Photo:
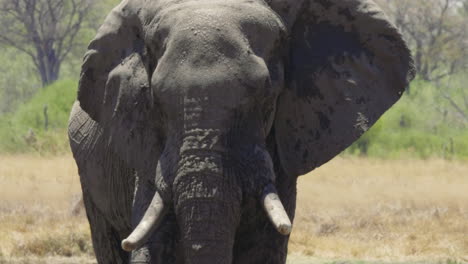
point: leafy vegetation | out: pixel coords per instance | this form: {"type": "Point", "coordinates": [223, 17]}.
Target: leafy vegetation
{"type": "Point", "coordinates": [20, 74]}
{"type": "Point", "coordinates": [419, 125]}
{"type": "Point", "coordinates": [436, 33]}
{"type": "Point", "coordinates": [30, 129]}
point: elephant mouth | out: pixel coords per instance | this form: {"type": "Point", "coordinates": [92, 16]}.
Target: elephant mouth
{"type": "Point", "coordinates": [157, 209]}
{"type": "Point", "coordinates": [205, 173]}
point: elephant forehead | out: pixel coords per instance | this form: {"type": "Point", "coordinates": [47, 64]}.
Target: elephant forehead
{"type": "Point", "coordinates": [227, 27]}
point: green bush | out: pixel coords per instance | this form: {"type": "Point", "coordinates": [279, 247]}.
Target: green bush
{"type": "Point", "coordinates": [25, 130]}
{"type": "Point", "coordinates": [415, 127]}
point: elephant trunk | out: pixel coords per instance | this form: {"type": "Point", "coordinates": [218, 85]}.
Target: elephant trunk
{"type": "Point", "coordinates": [207, 206]}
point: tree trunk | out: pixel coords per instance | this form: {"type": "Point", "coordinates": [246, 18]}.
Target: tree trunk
{"type": "Point", "coordinates": [47, 64]}
{"type": "Point", "coordinates": [49, 70]}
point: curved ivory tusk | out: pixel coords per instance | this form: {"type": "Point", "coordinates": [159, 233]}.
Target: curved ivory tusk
{"type": "Point", "coordinates": [275, 211]}
{"type": "Point", "coordinates": [145, 228]}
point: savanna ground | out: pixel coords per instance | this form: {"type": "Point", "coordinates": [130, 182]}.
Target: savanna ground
{"type": "Point", "coordinates": [351, 210]}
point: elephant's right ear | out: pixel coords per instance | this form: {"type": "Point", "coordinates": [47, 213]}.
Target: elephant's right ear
{"type": "Point", "coordinates": [114, 88]}
{"type": "Point", "coordinates": [347, 66]}
{"type": "Point", "coordinates": [117, 39]}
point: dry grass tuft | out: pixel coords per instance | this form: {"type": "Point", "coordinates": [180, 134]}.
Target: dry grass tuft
{"type": "Point", "coordinates": [70, 237]}
{"type": "Point", "coordinates": [351, 208]}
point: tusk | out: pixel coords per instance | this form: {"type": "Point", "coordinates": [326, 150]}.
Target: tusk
{"type": "Point", "coordinates": [145, 228]}
{"type": "Point", "coordinates": [275, 211]}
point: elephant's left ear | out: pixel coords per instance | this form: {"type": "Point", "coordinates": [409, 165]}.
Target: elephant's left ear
{"type": "Point", "coordinates": [347, 66]}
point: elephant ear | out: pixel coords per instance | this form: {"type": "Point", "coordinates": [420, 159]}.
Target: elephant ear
{"type": "Point", "coordinates": [114, 87]}
{"type": "Point", "coordinates": [347, 66]}
{"type": "Point", "coordinates": [116, 40]}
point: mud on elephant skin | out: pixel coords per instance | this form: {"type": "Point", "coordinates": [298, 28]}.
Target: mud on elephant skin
{"type": "Point", "coordinates": [195, 118]}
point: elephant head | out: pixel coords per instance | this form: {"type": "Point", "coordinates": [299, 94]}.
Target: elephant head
{"type": "Point", "coordinates": [204, 95]}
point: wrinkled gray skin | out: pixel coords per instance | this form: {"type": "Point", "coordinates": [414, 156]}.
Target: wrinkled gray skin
{"type": "Point", "coordinates": [208, 102]}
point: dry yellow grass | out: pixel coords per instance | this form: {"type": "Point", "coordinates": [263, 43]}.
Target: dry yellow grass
{"type": "Point", "coordinates": [36, 195]}
{"type": "Point", "coordinates": [351, 208]}
{"type": "Point", "coordinates": [406, 210]}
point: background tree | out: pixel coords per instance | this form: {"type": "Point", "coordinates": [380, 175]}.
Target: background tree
{"type": "Point", "coordinates": [46, 30]}
{"type": "Point", "coordinates": [436, 31]}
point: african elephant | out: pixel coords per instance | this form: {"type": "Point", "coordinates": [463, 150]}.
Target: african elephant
{"type": "Point", "coordinates": [195, 118]}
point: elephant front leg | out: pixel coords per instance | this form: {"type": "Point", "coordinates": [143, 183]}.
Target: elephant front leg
{"type": "Point", "coordinates": [104, 236]}
{"type": "Point", "coordinates": [160, 247]}
{"type": "Point", "coordinates": [258, 241]}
